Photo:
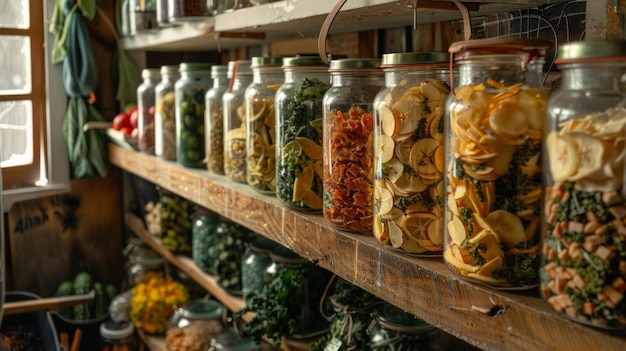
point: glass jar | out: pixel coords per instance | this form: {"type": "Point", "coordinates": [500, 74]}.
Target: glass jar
{"type": "Point", "coordinates": [187, 10]}
{"type": "Point", "coordinates": [254, 262]}
{"type": "Point", "coordinates": [190, 89]}
{"type": "Point", "coordinates": [192, 326]}
{"type": "Point", "coordinates": [214, 118]}
{"type": "Point", "coordinates": [228, 253]}
{"type": "Point", "coordinates": [348, 143]}
{"type": "Point", "coordinates": [261, 123]}
{"type": "Point", "coordinates": [142, 16]}
{"type": "Point", "coordinates": [235, 121]}
{"type": "Point", "coordinates": [125, 14]}
{"type": "Point", "coordinates": [304, 297]}
{"type": "Point", "coordinates": [583, 269]}
{"type": "Point", "coordinates": [204, 226]}
{"type": "Point", "coordinates": [299, 115]}
{"type": "Point", "coordinates": [495, 120]}
{"type": "Point", "coordinates": [231, 340]}
{"type": "Point", "coordinates": [138, 266]}
{"type": "Point", "coordinates": [162, 13]}
{"type": "Point", "coordinates": [117, 336]}
{"type": "Point", "coordinates": [393, 329]}
{"type": "Point", "coordinates": [165, 114]}
{"type": "Point", "coordinates": [176, 223]}
{"type": "Point", "coordinates": [145, 109]}
{"type": "Point", "coordinates": [408, 156]}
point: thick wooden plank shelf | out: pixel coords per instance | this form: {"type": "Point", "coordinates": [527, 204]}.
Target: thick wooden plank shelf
{"type": "Point", "coordinates": [424, 287]}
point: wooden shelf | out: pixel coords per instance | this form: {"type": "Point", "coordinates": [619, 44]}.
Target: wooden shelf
{"type": "Point", "coordinates": [424, 287]}
{"type": "Point", "coordinates": [293, 19]}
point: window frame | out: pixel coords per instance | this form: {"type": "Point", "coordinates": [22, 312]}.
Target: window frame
{"type": "Point", "coordinates": [49, 118]}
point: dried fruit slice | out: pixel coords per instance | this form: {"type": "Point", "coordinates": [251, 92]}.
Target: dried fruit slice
{"type": "Point", "coordinates": [385, 146]}
{"type": "Point", "coordinates": [311, 149]}
{"type": "Point", "coordinates": [380, 230]}
{"type": "Point", "coordinates": [457, 262]}
{"type": "Point", "coordinates": [303, 183]}
{"type": "Point", "coordinates": [416, 224]}
{"type": "Point", "coordinates": [407, 114]}
{"type": "Point", "coordinates": [422, 154]}
{"type": "Point", "coordinates": [457, 231]}
{"type": "Point", "coordinates": [508, 227]}
{"type": "Point", "coordinates": [312, 200]}
{"type": "Point", "coordinates": [508, 120]}
{"type": "Point", "coordinates": [488, 268]}
{"type": "Point", "coordinates": [395, 234]}
{"type": "Point", "coordinates": [383, 200]}
{"type": "Point", "coordinates": [532, 102]}
{"type": "Point", "coordinates": [411, 246]}
{"type": "Point", "coordinates": [408, 184]}
{"type": "Point", "coordinates": [590, 153]}
{"type": "Point", "coordinates": [387, 120]}
{"type": "Point", "coordinates": [393, 169]}
{"type": "Point", "coordinates": [435, 231]}
{"type": "Point", "coordinates": [563, 156]}
{"type": "Point", "coordinates": [403, 150]}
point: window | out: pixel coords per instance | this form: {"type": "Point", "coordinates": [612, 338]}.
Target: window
{"type": "Point", "coordinates": [30, 120]}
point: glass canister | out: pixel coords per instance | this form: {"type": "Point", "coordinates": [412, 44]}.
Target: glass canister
{"type": "Point", "coordinates": [117, 336]}
{"type": "Point", "coordinates": [409, 150]}
{"type": "Point", "coordinates": [142, 16]}
{"type": "Point", "coordinates": [299, 115]}
{"type": "Point", "coordinates": [145, 109]}
{"type": "Point", "coordinates": [348, 143]}
{"type": "Point", "coordinates": [229, 250]}
{"type": "Point", "coordinates": [214, 119]}
{"type": "Point", "coordinates": [394, 329]}
{"type": "Point", "coordinates": [254, 262]}
{"type": "Point", "coordinates": [187, 10]}
{"type": "Point", "coordinates": [235, 121]}
{"type": "Point", "coordinates": [267, 77]}
{"type": "Point", "coordinates": [165, 114]}
{"type": "Point", "coordinates": [190, 90]}
{"type": "Point", "coordinates": [139, 265]}
{"type": "Point", "coordinates": [231, 340]}
{"type": "Point", "coordinates": [176, 224]}
{"type": "Point", "coordinates": [192, 326]}
{"type": "Point", "coordinates": [583, 266]}
{"type": "Point", "coordinates": [495, 120]}
{"type": "Point", "coordinates": [204, 225]}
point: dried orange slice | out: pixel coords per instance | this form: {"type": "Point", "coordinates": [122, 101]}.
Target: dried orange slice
{"type": "Point", "coordinates": [416, 224]}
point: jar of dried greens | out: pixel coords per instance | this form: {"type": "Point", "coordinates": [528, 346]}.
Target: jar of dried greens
{"type": "Point", "coordinates": [145, 109]}
{"type": "Point", "coordinates": [227, 253]}
{"type": "Point", "coordinates": [235, 121]}
{"type": "Point", "coordinates": [348, 143]}
{"type": "Point", "coordinates": [193, 325]}
{"type": "Point", "coordinates": [393, 329]}
{"type": "Point", "coordinates": [493, 186]}
{"type": "Point", "coordinates": [255, 261]}
{"type": "Point", "coordinates": [261, 123]}
{"type": "Point", "coordinates": [190, 90]}
{"type": "Point", "coordinates": [299, 114]}
{"type": "Point", "coordinates": [408, 152]}
{"type": "Point", "coordinates": [583, 271]}
{"type": "Point", "coordinates": [204, 225]}
{"type": "Point", "coordinates": [214, 118]}
{"type": "Point", "coordinates": [165, 114]}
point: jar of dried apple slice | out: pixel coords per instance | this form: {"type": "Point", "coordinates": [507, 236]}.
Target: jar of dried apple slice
{"type": "Point", "coordinates": [583, 270]}
{"type": "Point", "coordinates": [409, 152]}
{"type": "Point", "coordinates": [495, 118]}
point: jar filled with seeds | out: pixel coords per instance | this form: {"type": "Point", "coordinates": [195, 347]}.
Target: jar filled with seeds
{"type": "Point", "coordinates": [261, 123]}
{"type": "Point", "coordinates": [409, 150]}
{"type": "Point", "coordinates": [204, 226]}
{"type": "Point", "coordinates": [348, 143]}
{"type": "Point", "coordinates": [493, 192]}
{"type": "Point", "coordinates": [393, 329]}
{"type": "Point", "coordinates": [583, 270]}
{"type": "Point", "coordinates": [214, 118]}
{"type": "Point", "coordinates": [235, 122]}
{"type": "Point", "coordinates": [255, 261]}
{"type": "Point", "coordinates": [165, 114]}
{"type": "Point", "coordinates": [299, 114]}
{"type": "Point", "coordinates": [145, 109]}
{"type": "Point", "coordinates": [192, 326]}
{"type": "Point", "coordinates": [190, 91]}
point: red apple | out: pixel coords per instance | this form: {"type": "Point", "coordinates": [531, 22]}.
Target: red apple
{"type": "Point", "coordinates": [134, 118]}
{"type": "Point", "coordinates": [126, 130]}
{"type": "Point", "coordinates": [121, 120]}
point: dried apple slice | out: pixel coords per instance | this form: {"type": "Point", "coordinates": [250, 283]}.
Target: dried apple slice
{"type": "Point", "coordinates": [508, 228]}
{"type": "Point", "coordinates": [492, 265]}
{"type": "Point", "coordinates": [385, 146]}
{"type": "Point", "coordinates": [383, 200]}
{"type": "Point", "coordinates": [395, 235]}
{"type": "Point", "coordinates": [387, 120]}
{"type": "Point", "coordinates": [407, 114]}
{"type": "Point", "coordinates": [435, 231]}
{"type": "Point", "coordinates": [532, 102]}
{"type": "Point", "coordinates": [403, 150]}
{"type": "Point", "coordinates": [457, 231]}
{"type": "Point", "coordinates": [508, 120]}
{"type": "Point", "coordinates": [563, 156]}
{"type": "Point", "coordinates": [409, 184]}
{"type": "Point", "coordinates": [394, 169]}
{"type": "Point", "coordinates": [435, 125]}
{"type": "Point", "coordinates": [422, 154]}
{"type": "Point", "coordinates": [590, 154]}
{"type": "Point", "coordinates": [411, 246]}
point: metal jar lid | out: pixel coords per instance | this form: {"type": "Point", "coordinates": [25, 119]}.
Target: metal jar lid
{"type": "Point", "coordinates": [239, 68]}
{"type": "Point", "coordinates": [499, 46]}
{"type": "Point", "coordinates": [303, 61]}
{"type": "Point", "coordinates": [202, 309]}
{"type": "Point", "coordinates": [591, 50]}
{"type": "Point", "coordinates": [354, 64]}
{"type": "Point", "coordinates": [195, 66]}
{"type": "Point", "coordinates": [115, 331]}
{"type": "Point", "coordinates": [258, 62]}
{"type": "Point", "coordinates": [415, 58]}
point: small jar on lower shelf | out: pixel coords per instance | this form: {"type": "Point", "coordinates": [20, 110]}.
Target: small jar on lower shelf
{"type": "Point", "coordinates": [117, 336]}
{"type": "Point", "coordinates": [230, 340]}
{"type": "Point", "coordinates": [192, 327]}
{"type": "Point", "coordinates": [394, 329]}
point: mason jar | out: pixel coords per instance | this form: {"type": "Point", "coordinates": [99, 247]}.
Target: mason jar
{"type": "Point", "coordinates": [267, 77]}
{"type": "Point", "coordinates": [204, 225]}
{"type": "Point", "coordinates": [254, 262]}
{"type": "Point", "coordinates": [348, 143]}
{"type": "Point", "coordinates": [583, 269]}
{"type": "Point", "coordinates": [299, 116]}
{"type": "Point", "coordinates": [235, 122]}
{"type": "Point", "coordinates": [138, 266]}
{"type": "Point", "coordinates": [393, 329]}
{"type": "Point", "coordinates": [165, 114]}
{"type": "Point", "coordinates": [145, 109]}
{"type": "Point", "coordinates": [495, 120]}
{"type": "Point", "coordinates": [142, 16]}
{"type": "Point", "coordinates": [304, 297]}
{"type": "Point", "coordinates": [408, 152]}
{"type": "Point", "coordinates": [190, 90]}
{"type": "Point", "coordinates": [214, 119]}
{"type": "Point", "coordinates": [227, 254]}
{"type": "Point", "coordinates": [231, 340]}
{"type": "Point", "coordinates": [117, 336]}
{"type": "Point", "coordinates": [193, 325]}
